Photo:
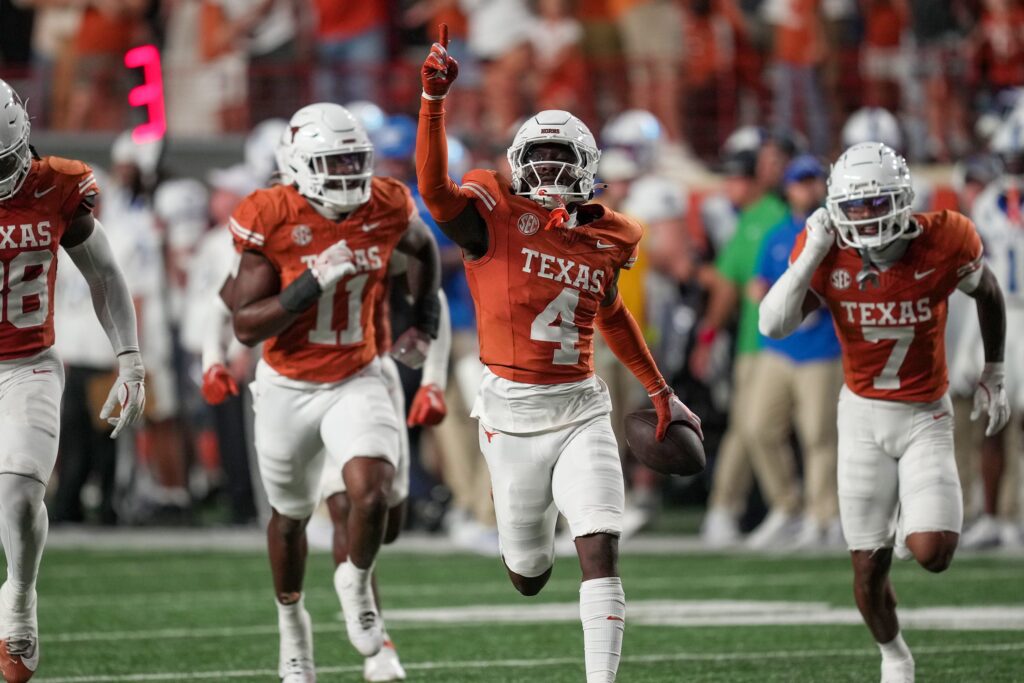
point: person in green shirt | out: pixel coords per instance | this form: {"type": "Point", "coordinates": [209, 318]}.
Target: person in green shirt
{"type": "Point", "coordinates": [735, 266]}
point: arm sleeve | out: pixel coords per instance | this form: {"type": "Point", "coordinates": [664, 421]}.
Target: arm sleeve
{"type": "Point", "coordinates": [624, 338]}
{"type": "Point", "coordinates": [782, 309]}
{"type": "Point", "coordinates": [435, 368]}
{"type": "Point", "coordinates": [439, 192]}
{"type": "Point", "coordinates": [110, 296]}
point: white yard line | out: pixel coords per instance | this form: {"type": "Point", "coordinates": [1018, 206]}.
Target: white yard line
{"type": "Point", "coordinates": [676, 613]}
{"type": "Point", "coordinates": [533, 663]}
{"type": "Point", "coordinates": [187, 599]}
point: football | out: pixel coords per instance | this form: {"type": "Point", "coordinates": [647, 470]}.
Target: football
{"type": "Point", "coordinates": [682, 451]}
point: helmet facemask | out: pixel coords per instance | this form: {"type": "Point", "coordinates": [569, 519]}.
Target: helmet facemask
{"type": "Point", "coordinates": [339, 179]}
{"type": "Point", "coordinates": [15, 154]}
{"type": "Point", "coordinates": [872, 221]}
{"type": "Point", "coordinates": [552, 173]}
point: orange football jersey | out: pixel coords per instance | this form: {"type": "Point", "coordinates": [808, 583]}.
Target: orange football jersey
{"type": "Point", "coordinates": [537, 291]}
{"type": "Point", "coordinates": [335, 338]}
{"type": "Point", "coordinates": [893, 335]}
{"type": "Point", "coordinates": [32, 224]}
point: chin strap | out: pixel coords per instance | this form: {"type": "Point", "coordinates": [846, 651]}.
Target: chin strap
{"type": "Point", "coordinates": [868, 274]}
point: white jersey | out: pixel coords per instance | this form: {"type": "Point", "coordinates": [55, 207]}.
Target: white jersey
{"type": "Point", "coordinates": [211, 263]}
{"type": "Point", "coordinates": [1002, 232]}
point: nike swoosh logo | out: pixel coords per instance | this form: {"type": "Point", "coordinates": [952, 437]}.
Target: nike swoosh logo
{"type": "Point", "coordinates": [604, 245]}
{"type": "Point", "coordinates": [939, 416]}
{"type": "Point", "coordinates": [919, 276]}
{"type": "Point", "coordinates": [367, 227]}
{"type": "Point", "coordinates": [39, 194]}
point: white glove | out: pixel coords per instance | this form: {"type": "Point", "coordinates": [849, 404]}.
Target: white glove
{"type": "Point", "coordinates": [129, 392]}
{"type": "Point", "coordinates": [990, 397]}
{"type": "Point", "coordinates": [820, 234]}
{"type": "Point", "coordinates": [411, 347]}
{"type": "Point", "coordinates": [332, 264]}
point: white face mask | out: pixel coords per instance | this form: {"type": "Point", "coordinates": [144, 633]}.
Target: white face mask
{"type": "Point", "coordinates": [14, 167]}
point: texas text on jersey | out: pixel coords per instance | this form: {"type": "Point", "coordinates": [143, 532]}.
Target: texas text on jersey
{"type": "Point", "coordinates": [335, 338]}
{"type": "Point", "coordinates": [32, 223]}
{"type": "Point", "coordinates": [892, 334]}
{"type": "Point", "coordinates": [537, 291]}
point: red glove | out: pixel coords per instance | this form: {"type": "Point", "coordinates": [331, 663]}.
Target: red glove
{"type": "Point", "coordinates": [428, 408]}
{"type": "Point", "coordinates": [218, 384]}
{"type": "Point", "coordinates": [439, 69]}
{"type": "Point", "coordinates": [670, 409]}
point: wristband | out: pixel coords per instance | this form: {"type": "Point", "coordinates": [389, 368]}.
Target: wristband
{"type": "Point", "coordinates": [426, 316]}
{"type": "Point", "coordinates": [433, 98]}
{"type": "Point", "coordinates": [301, 294]}
{"type": "Point", "coordinates": [706, 336]}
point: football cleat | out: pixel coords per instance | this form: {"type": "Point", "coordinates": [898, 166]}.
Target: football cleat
{"type": "Point", "coordinates": [384, 666]}
{"type": "Point", "coordinates": [719, 529]}
{"type": "Point", "coordinates": [778, 530]}
{"type": "Point", "coordinates": [987, 532]}
{"type": "Point", "coordinates": [362, 621]}
{"type": "Point", "coordinates": [19, 658]}
{"type": "Point", "coordinates": [298, 670]}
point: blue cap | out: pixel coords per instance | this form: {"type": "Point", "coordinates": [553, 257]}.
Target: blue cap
{"type": "Point", "coordinates": [396, 139]}
{"type": "Point", "coordinates": [803, 167]}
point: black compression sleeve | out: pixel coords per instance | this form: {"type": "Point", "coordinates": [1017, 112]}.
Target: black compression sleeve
{"type": "Point", "coordinates": [301, 294]}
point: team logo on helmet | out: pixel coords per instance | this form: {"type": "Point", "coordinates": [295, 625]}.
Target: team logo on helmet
{"type": "Point", "coordinates": [841, 279]}
{"type": "Point", "coordinates": [302, 235]}
{"type": "Point", "coordinates": [529, 223]}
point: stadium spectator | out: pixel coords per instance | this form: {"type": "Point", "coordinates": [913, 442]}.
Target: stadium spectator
{"type": "Point", "coordinates": [351, 48]}
{"type": "Point", "coordinates": [796, 383]}
{"type": "Point", "coordinates": [997, 48]}
{"type": "Point", "coordinates": [761, 210]}
{"type": "Point", "coordinates": [277, 36]}
{"type": "Point", "coordinates": [558, 56]}
{"type": "Point", "coordinates": [799, 52]}
{"type": "Point", "coordinates": [883, 63]}
{"type": "Point", "coordinates": [652, 41]}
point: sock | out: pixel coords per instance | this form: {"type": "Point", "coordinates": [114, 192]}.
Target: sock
{"type": "Point", "coordinates": [23, 528]}
{"type": "Point", "coordinates": [296, 630]}
{"type": "Point", "coordinates": [349, 573]}
{"type": "Point", "coordinates": [603, 613]}
{"type": "Point", "coordinates": [895, 649]}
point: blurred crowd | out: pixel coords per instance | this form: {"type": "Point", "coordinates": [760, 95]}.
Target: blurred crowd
{"type": "Point", "coordinates": [703, 67]}
{"type": "Point", "coordinates": [717, 120]}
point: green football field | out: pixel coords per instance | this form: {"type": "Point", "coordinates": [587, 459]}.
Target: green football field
{"type": "Point", "coordinates": [203, 615]}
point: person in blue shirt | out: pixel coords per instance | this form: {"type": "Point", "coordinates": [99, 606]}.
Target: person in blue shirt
{"type": "Point", "coordinates": [796, 385]}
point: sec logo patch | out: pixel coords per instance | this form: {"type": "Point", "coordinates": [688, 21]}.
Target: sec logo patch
{"type": "Point", "coordinates": [302, 235]}
{"type": "Point", "coordinates": [840, 279]}
{"type": "Point", "coordinates": [529, 223]}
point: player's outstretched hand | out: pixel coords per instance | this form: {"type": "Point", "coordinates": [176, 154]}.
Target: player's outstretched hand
{"type": "Point", "coordinates": [129, 392]}
{"type": "Point", "coordinates": [439, 69]}
{"type": "Point", "coordinates": [821, 235]}
{"type": "Point", "coordinates": [410, 349]}
{"type": "Point", "coordinates": [218, 384]}
{"type": "Point", "coordinates": [332, 264]}
{"type": "Point", "coordinates": [670, 409]}
{"type": "Point", "coordinates": [990, 398]}
{"type": "Point", "coordinates": [428, 407]}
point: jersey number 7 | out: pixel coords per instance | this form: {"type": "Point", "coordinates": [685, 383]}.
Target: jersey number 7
{"type": "Point", "coordinates": [889, 378]}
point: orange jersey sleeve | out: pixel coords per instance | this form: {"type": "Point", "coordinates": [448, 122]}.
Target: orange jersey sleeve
{"type": "Point", "coordinates": [439, 192]}
{"type": "Point", "coordinates": [253, 220]}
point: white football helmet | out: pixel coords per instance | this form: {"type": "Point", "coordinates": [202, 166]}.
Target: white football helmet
{"type": "Point", "coordinates": [652, 199]}
{"type": "Point", "coordinates": [1008, 142]}
{"type": "Point", "coordinates": [326, 153]}
{"type": "Point", "coordinates": [872, 124]}
{"type": "Point", "coordinates": [15, 155]}
{"type": "Point", "coordinates": [636, 130]}
{"type": "Point", "coordinates": [369, 114]}
{"type": "Point", "coordinates": [551, 183]}
{"type": "Point", "coordinates": [261, 147]}
{"type": "Point", "coordinates": [869, 197]}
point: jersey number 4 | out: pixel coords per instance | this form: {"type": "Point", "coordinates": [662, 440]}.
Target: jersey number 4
{"type": "Point", "coordinates": [889, 378]}
{"type": "Point", "coordinates": [557, 324]}
{"type": "Point", "coordinates": [323, 333]}
{"type": "Point", "coordinates": [26, 276]}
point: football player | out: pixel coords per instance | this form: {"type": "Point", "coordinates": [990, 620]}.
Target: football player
{"type": "Point", "coordinates": [45, 202]}
{"type": "Point", "coordinates": [314, 254]}
{"type": "Point", "coordinates": [885, 274]}
{"type": "Point", "coordinates": [542, 265]}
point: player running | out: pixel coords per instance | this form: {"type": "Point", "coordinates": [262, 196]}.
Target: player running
{"type": "Point", "coordinates": [314, 253]}
{"type": "Point", "coordinates": [45, 203]}
{"type": "Point", "coordinates": [542, 266]}
{"type": "Point", "coordinates": [886, 274]}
